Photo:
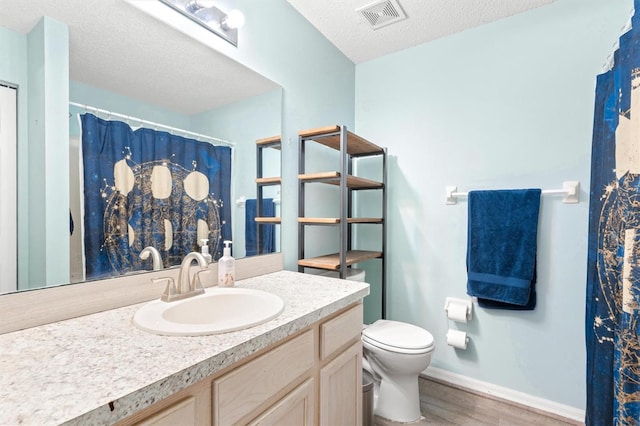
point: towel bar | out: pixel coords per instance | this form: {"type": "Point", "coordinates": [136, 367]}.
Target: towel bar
{"type": "Point", "coordinates": [240, 202]}
{"type": "Point", "coordinates": [570, 189]}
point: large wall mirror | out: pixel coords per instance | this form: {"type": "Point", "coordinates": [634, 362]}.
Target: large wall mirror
{"type": "Point", "coordinates": [64, 58]}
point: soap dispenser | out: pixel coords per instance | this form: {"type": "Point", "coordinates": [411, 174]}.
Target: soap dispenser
{"type": "Point", "coordinates": [205, 250]}
{"type": "Point", "coordinates": [226, 267]}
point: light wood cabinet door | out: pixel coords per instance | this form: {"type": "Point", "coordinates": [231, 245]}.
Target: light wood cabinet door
{"type": "Point", "coordinates": [248, 388]}
{"type": "Point", "coordinates": [296, 408]}
{"type": "Point", "coordinates": [341, 389]}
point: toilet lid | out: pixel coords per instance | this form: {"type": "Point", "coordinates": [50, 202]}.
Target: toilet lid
{"type": "Point", "coordinates": [399, 335]}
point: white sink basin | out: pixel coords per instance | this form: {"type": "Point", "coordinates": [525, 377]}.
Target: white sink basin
{"type": "Point", "coordinates": [218, 310]}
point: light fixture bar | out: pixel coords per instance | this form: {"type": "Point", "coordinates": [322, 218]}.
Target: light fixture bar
{"type": "Point", "coordinates": [207, 16]}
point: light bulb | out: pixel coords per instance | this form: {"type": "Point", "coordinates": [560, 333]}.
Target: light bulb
{"type": "Point", "coordinates": [233, 20]}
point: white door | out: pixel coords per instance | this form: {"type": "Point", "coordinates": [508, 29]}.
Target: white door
{"type": "Point", "coordinates": [8, 183]}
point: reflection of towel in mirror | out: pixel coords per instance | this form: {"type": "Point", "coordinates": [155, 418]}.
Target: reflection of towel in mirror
{"type": "Point", "coordinates": [251, 227]}
{"type": "Point", "coordinates": [501, 248]}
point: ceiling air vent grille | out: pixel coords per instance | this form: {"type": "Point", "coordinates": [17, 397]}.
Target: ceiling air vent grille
{"type": "Point", "coordinates": [382, 13]}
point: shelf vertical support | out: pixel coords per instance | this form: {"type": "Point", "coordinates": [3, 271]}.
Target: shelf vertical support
{"type": "Point", "coordinates": [301, 195]}
{"type": "Point", "coordinates": [383, 280]}
{"type": "Point", "coordinates": [344, 201]}
{"type": "Point", "coordinates": [259, 195]}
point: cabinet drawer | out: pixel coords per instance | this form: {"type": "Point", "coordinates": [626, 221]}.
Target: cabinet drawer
{"type": "Point", "coordinates": [340, 330]}
{"type": "Point", "coordinates": [243, 390]}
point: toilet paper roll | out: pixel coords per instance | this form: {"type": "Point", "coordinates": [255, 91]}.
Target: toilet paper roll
{"type": "Point", "coordinates": [457, 339]}
{"type": "Point", "coordinates": [457, 312]}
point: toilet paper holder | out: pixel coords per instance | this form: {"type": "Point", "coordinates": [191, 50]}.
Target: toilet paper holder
{"type": "Point", "coordinates": [455, 304]}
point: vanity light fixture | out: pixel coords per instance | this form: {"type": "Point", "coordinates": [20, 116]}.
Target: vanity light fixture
{"type": "Point", "coordinates": [206, 14]}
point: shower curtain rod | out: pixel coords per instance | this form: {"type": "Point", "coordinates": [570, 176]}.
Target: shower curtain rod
{"type": "Point", "coordinates": [154, 125]}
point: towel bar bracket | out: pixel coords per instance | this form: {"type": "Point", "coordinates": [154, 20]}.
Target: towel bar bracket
{"type": "Point", "coordinates": [570, 189]}
{"type": "Point", "coordinates": [451, 198]}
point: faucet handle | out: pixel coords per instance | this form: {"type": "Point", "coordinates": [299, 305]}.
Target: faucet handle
{"type": "Point", "coordinates": [170, 291]}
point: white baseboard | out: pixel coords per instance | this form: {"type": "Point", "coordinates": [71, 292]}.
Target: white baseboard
{"type": "Point", "coordinates": [499, 392]}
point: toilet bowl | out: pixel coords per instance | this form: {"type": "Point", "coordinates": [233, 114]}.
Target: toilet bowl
{"type": "Point", "coordinates": [395, 353]}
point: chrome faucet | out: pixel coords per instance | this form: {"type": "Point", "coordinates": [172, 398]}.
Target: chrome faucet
{"type": "Point", "coordinates": [187, 287]}
{"type": "Point", "coordinates": [155, 255]}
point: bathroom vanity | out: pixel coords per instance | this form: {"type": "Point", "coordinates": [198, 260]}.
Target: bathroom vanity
{"type": "Point", "coordinates": [303, 367]}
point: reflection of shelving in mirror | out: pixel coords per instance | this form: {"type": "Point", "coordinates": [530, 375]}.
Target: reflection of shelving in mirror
{"type": "Point", "coordinates": [351, 148]}
{"type": "Point", "coordinates": [264, 189]}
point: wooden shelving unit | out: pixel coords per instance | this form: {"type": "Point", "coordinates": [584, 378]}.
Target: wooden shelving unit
{"type": "Point", "coordinates": [273, 142]}
{"type": "Point", "coordinates": [351, 147]}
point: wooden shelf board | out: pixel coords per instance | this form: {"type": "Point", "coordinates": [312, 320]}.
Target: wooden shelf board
{"type": "Point", "coordinates": [273, 141]}
{"type": "Point", "coordinates": [319, 176]}
{"type": "Point", "coordinates": [356, 145]}
{"type": "Point", "coordinates": [273, 220]}
{"type": "Point", "coordinates": [333, 178]}
{"type": "Point", "coordinates": [332, 261]}
{"type": "Point", "coordinates": [269, 180]}
{"type": "Point", "coordinates": [334, 220]}
{"type": "Point", "coordinates": [319, 220]}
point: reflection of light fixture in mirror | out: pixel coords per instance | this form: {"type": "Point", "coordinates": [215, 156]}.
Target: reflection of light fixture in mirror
{"type": "Point", "coordinates": [206, 14]}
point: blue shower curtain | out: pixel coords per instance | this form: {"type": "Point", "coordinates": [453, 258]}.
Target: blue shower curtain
{"type": "Point", "coordinates": [613, 279]}
{"type": "Point", "coordinates": [150, 188]}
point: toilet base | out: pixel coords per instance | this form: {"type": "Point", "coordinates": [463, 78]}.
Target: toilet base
{"type": "Point", "coordinates": [381, 421]}
{"type": "Point", "coordinates": [399, 401]}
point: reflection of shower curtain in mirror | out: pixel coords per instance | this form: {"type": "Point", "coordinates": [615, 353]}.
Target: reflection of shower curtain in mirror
{"type": "Point", "coordinates": [613, 280]}
{"type": "Point", "coordinates": [150, 188]}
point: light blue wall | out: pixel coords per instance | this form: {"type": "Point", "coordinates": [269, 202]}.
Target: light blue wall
{"type": "Point", "coordinates": [89, 95]}
{"type": "Point", "coordinates": [48, 81]}
{"type": "Point", "coordinates": [318, 84]}
{"type": "Point", "coordinates": [505, 105]}
{"type": "Point", "coordinates": [37, 63]}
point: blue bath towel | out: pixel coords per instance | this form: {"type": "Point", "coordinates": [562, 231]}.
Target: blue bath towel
{"type": "Point", "coordinates": [251, 227]}
{"type": "Point", "coordinates": [501, 247]}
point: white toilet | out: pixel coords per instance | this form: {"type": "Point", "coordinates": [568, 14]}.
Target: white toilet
{"type": "Point", "coordinates": [395, 353]}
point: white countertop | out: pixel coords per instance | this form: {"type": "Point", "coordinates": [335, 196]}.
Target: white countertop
{"type": "Point", "coordinates": [100, 368]}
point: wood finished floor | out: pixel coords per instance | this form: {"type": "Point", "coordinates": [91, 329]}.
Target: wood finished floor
{"type": "Point", "coordinates": [445, 405]}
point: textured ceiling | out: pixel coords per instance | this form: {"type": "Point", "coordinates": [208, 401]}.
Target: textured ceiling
{"type": "Point", "coordinates": [426, 20]}
{"type": "Point", "coordinates": [119, 48]}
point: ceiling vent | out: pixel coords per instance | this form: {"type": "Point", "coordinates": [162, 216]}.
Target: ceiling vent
{"type": "Point", "coordinates": [382, 13]}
